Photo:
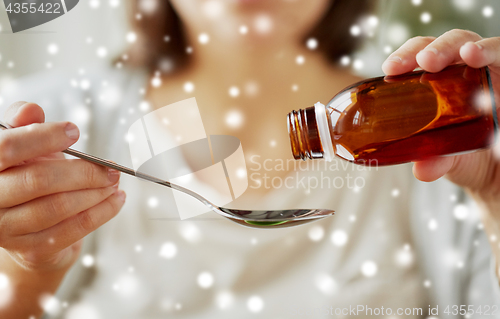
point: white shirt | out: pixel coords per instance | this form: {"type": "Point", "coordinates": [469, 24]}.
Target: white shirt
{"type": "Point", "coordinates": [394, 243]}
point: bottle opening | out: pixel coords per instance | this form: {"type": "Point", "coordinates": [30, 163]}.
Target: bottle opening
{"type": "Point", "coordinates": [304, 134]}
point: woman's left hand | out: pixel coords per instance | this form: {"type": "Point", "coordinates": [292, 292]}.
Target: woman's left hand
{"type": "Point", "coordinates": [478, 172]}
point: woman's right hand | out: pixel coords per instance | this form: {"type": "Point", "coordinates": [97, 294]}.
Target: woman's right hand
{"type": "Point", "coordinates": [49, 203]}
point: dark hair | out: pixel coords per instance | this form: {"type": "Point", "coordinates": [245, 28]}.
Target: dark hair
{"type": "Point", "coordinates": [161, 43]}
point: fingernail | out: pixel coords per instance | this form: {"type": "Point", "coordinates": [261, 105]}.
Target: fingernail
{"type": "Point", "coordinates": [480, 47]}
{"type": "Point", "coordinates": [121, 195]}
{"type": "Point", "coordinates": [72, 131]}
{"type": "Point", "coordinates": [113, 175]}
{"type": "Point", "coordinates": [11, 120]}
{"type": "Point", "coordinates": [433, 50]}
{"type": "Point", "coordinates": [17, 112]}
{"type": "Point", "coordinates": [395, 59]}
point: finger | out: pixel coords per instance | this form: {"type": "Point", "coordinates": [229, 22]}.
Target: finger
{"type": "Point", "coordinates": [22, 113]}
{"type": "Point", "coordinates": [404, 59]}
{"type": "Point", "coordinates": [74, 228]}
{"type": "Point", "coordinates": [445, 50]}
{"type": "Point", "coordinates": [481, 53]}
{"type": "Point", "coordinates": [432, 169]}
{"type": "Point", "coordinates": [21, 184]}
{"type": "Point", "coordinates": [44, 212]}
{"type": "Point", "coordinates": [34, 140]}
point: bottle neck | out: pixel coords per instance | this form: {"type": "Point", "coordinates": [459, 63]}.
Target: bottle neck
{"type": "Point", "coordinates": [304, 134]}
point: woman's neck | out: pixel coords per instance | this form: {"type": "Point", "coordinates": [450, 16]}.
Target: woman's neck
{"type": "Point", "coordinates": [271, 83]}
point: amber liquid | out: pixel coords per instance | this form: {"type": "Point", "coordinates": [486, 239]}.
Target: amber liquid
{"type": "Point", "coordinates": [392, 120]}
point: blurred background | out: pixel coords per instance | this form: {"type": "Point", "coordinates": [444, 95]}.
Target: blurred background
{"type": "Point", "coordinates": [97, 30]}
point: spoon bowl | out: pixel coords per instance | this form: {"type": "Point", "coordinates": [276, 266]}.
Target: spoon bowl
{"type": "Point", "coordinates": [274, 218]}
{"type": "Point", "coordinates": [249, 218]}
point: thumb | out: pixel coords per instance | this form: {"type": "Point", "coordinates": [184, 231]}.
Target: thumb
{"type": "Point", "coordinates": [22, 113]}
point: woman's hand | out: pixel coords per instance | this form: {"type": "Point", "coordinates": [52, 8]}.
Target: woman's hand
{"type": "Point", "coordinates": [478, 172]}
{"type": "Point", "coordinates": [48, 203]}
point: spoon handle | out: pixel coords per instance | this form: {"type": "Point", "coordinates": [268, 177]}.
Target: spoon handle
{"type": "Point", "coordinates": [129, 171]}
{"type": "Point", "coordinates": [118, 167]}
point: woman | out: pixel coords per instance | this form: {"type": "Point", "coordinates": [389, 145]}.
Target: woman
{"type": "Point", "coordinates": [48, 204]}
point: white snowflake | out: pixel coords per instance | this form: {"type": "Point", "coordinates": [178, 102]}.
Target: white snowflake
{"type": "Point", "coordinates": [404, 257]}
{"type": "Point", "coordinates": [190, 232]}
{"type": "Point", "coordinates": [168, 250]}
{"type": "Point", "coordinates": [345, 60]}
{"type": "Point", "coordinates": [205, 280]}
{"type": "Point", "coordinates": [397, 33]}
{"type": "Point", "coordinates": [461, 212]}
{"type": "Point", "coordinates": [234, 91]}
{"type": "Point", "coordinates": [432, 224]}
{"type": "Point", "coordinates": [243, 29]}
{"type": "Point", "coordinates": [53, 48]}
{"type": "Point", "coordinates": [355, 30]}
{"type": "Point", "coordinates": [488, 11]}
{"type": "Point", "coordinates": [312, 44]}
{"type": "Point", "coordinates": [50, 304]}
{"type": "Point", "coordinates": [224, 299]}
{"type": "Point", "coordinates": [241, 172]}
{"type": "Point", "coordinates": [102, 52]}
{"type": "Point", "coordinates": [156, 82]}
{"type": "Point", "coordinates": [131, 37]}
{"type": "Point", "coordinates": [300, 59]}
{"type": "Point", "coordinates": [325, 283]}
{"type": "Point", "coordinates": [82, 311]}
{"type": "Point", "coordinates": [203, 38]}
{"type": "Point", "coordinates": [213, 9]}
{"type": "Point", "coordinates": [188, 87]}
{"type": "Point", "coordinates": [395, 192]}
{"type": "Point", "coordinates": [94, 4]}
{"type": "Point", "coordinates": [369, 268]}
{"type": "Point", "coordinates": [5, 290]}
{"type": "Point", "coordinates": [234, 119]}
{"type": "Point", "coordinates": [127, 285]}
{"type": "Point", "coordinates": [464, 5]}
{"type": "Point", "coordinates": [153, 202]}
{"type": "Point", "coordinates": [148, 6]}
{"type": "Point", "coordinates": [339, 238]}
{"type": "Point", "coordinates": [88, 260]}
{"type": "Point", "coordinates": [358, 64]}
{"type": "Point", "coordinates": [255, 304]}
{"type": "Point", "coordinates": [425, 17]}
{"type": "Point", "coordinates": [263, 24]}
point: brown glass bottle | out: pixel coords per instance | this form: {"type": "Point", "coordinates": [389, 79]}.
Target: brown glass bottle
{"type": "Point", "coordinates": [399, 119]}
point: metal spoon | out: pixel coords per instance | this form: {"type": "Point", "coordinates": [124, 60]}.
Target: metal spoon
{"type": "Point", "coordinates": [250, 218]}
